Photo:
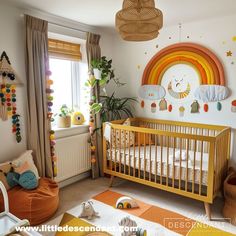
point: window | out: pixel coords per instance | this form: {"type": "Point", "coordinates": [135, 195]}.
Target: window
{"type": "Point", "coordinates": [69, 74]}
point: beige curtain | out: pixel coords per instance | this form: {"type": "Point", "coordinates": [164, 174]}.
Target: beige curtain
{"type": "Point", "coordinates": [38, 124]}
{"type": "Point", "coordinates": [94, 52]}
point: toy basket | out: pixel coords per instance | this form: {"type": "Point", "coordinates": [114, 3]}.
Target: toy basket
{"type": "Point", "coordinates": [8, 221]}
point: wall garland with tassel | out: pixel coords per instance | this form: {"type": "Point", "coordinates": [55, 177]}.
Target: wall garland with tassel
{"type": "Point", "coordinates": [8, 82]}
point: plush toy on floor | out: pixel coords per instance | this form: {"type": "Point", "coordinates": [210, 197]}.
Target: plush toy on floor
{"type": "Point", "coordinates": [126, 202]}
{"type": "Point", "coordinates": [88, 211]}
{"type": "Point", "coordinates": [130, 228]}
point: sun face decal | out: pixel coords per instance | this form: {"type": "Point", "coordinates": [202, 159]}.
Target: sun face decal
{"type": "Point", "coordinates": [179, 88]}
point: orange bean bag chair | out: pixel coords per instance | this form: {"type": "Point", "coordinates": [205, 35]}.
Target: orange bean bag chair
{"type": "Point", "coordinates": [35, 205]}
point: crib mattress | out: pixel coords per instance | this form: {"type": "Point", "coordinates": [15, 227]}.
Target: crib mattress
{"type": "Point", "coordinates": [131, 158]}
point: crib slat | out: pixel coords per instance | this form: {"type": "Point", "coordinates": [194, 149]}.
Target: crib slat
{"type": "Point", "coordinates": [180, 164]}
{"type": "Point", "coordinates": [139, 161]}
{"type": "Point", "coordinates": [173, 168]}
{"type": "Point", "coordinates": [161, 140]}
{"type": "Point", "coordinates": [200, 180]}
{"type": "Point", "coordinates": [134, 156]}
{"type": "Point", "coordinates": [194, 164]}
{"type": "Point", "coordinates": [124, 154]}
{"type": "Point", "coordinates": [111, 150]}
{"type": "Point", "coordinates": [187, 158]}
{"type": "Point", "coordinates": [115, 149]}
{"type": "Point", "coordinates": [167, 160]}
{"type": "Point", "coordinates": [144, 138]}
{"type": "Point", "coordinates": [129, 153]}
{"type": "Point", "coordinates": [120, 151]}
{"type": "Point", "coordinates": [150, 158]}
{"type": "Point", "coordinates": [156, 163]}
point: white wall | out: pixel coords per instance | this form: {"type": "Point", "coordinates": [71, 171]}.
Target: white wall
{"type": "Point", "coordinates": [12, 41]}
{"type": "Point", "coordinates": [127, 56]}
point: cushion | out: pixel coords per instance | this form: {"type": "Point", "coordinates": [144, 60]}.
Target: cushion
{"type": "Point", "coordinates": [26, 156]}
{"type": "Point", "coordinates": [22, 168]}
{"type": "Point", "coordinates": [127, 138]}
{"type": "Point", "coordinates": [37, 205]}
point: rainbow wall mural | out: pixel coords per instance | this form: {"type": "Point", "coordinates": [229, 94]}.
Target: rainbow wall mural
{"type": "Point", "coordinates": [205, 62]}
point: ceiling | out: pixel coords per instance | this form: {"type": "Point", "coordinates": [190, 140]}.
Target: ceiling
{"type": "Point", "coordinates": [102, 12]}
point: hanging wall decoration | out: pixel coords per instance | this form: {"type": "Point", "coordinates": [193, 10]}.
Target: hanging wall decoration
{"type": "Point", "coordinates": [163, 105]}
{"type": "Point", "coordinates": [142, 104]}
{"type": "Point", "coordinates": [177, 66]}
{"type": "Point", "coordinates": [211, 93]}
{"type": "Point", "coordinates": [219, 106]}
{"type": "Point", "coordinates": [195, 107]}
{"type": "Point", "coordinates": [170, 108]}
{"type": "Point", "coordinates": [233, 107]}
{"type": "Point", "coordinates": [206, 107]}
{"type": "Point", "coordinates": [152, 92]}
{"type": "Point", "coordinates": [153, 107]}
{"type": "Point", "coordinates": [181, 111]}
{"type": "Point", "coordinates": [208, 66]}
{"type": "Point", "coordinates": [8, 82]}
{"type": "Point", "coordinates": [181, 94]}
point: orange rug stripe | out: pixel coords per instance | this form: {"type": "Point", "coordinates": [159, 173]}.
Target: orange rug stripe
{"type": "Point", "coordinates": [108, 197]}
{"type": "Point", "coordinates": [173, 221]}
{"type": "Point", "coordinates": [169, 219]}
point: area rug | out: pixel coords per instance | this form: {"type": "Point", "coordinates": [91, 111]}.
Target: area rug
{"type": "Point", "coordinates": [155, 220]}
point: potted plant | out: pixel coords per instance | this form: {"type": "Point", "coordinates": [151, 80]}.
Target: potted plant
{"type": "Point", "coordinates": [64, 117]}
{"type": "Point", "coordinates": [114, 108]}
{"type": "Point", "coordinates": [102, 70]}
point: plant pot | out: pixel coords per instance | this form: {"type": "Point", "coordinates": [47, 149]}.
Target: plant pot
{"type": "Point", "coordinates": [97, 73]}
{"type": "Point", "coordinates": [229, 210]}
{"type": "Point", "coordinates": [64, 122]}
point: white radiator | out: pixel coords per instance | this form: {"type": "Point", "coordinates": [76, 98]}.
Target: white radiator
{"type": "Point", "coordinates": [73, 156]}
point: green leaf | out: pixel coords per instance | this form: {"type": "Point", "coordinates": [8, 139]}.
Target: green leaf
{"type": "Point", "coordinates": [102, 82]}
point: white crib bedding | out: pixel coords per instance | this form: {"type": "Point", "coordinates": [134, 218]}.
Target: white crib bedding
{"type": "Point", "coordinates": [124, 159]}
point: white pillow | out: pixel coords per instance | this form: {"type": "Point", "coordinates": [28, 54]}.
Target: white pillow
{"type": "Point", "coordinates": [26, 156]}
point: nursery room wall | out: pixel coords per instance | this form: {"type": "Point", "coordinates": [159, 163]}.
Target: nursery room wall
{"type": "Point", "coordinates": [218, 35]}
{"type": "Point", "coordinates": [12, 41]}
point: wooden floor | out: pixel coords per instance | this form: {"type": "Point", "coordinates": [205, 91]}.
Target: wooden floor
{"type": "Point", "coordinates": [73, 195]}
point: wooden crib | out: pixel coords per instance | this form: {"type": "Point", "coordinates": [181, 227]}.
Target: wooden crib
{"type": "Point", "coordinates": [188, 159]}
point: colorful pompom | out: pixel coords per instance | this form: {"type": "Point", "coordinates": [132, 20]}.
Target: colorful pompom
{"type": "Point", "coordinates": [219, 106]}
{"type": "Point", "coordinates": [170, 108]}
{"type": "Point", "coordinates": [206, 107]}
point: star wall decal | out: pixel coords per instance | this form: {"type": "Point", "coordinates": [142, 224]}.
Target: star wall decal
{"type": "Point", "coordinates": [229, 54]}
{"type": "Point", "coordinates": [234, 39]}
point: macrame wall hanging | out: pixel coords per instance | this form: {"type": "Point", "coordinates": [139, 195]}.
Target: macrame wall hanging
{"type": "Point", "coordinates": [8, 82]}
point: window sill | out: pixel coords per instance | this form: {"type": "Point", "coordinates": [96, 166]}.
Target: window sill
{"type": "Point", "coordinates": [73, 130]}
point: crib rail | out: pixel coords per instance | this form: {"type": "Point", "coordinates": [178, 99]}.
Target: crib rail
{"type": "Point", "coordinates": [184, 158]}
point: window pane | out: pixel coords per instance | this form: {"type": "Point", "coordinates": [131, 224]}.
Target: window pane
{"type": "Point", "coordinates": [61, 76]}
{"type": "Point", "coordinates": [83, 92]}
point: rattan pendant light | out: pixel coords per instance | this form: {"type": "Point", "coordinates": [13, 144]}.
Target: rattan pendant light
{"type": "Point", "coordinates": [139, 20]}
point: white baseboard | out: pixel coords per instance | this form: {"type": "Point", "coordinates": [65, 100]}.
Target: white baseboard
{"type": "Point", "coordinates": [74, 179]}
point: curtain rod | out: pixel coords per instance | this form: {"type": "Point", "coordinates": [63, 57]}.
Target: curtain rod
{"type": "Point", "coordinates": [68, 27]}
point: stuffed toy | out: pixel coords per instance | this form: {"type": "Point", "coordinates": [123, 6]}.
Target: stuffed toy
{"type": "Point", "coordinates": [78, 118]}
{"type": "Point", "coordinates": [126, 203]}
{"type": "Point", "coordinates": [88, 211]}
{"type": "Point", "coordinates": [26, 180]}
{"type": "Point", "coordinates": [130, 228]}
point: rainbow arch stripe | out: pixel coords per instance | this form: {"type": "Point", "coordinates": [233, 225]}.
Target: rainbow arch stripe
{"type": "Point", "coordinates": [204, 61]}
